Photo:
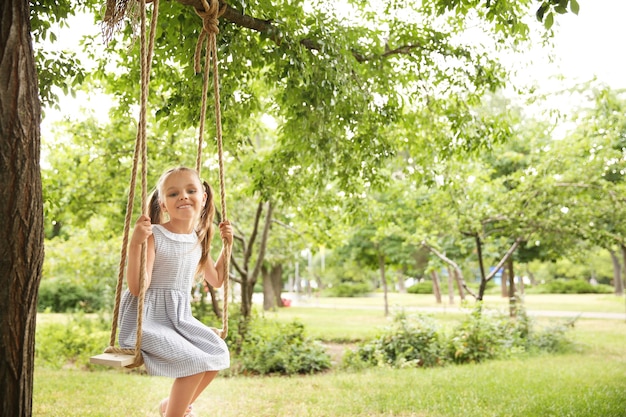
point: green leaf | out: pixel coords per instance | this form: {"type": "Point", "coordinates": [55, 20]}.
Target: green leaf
{"type": "Point", "coordinates": [574, 6]}
{"type": "Point", "coordinates": [560, 9]}
{"type": "Point", "coordinates": [549, 21]}
{"type": "Point", "coordinates": [541, 12]}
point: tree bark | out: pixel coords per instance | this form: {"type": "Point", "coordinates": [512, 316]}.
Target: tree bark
{"type": "Point", "coordinates": [276, 275]}
{"type": "Point", "coordinates": [512, 298]}
{"type": "Point", "coordinates": [617, 268]}
{"type": "Point", "coordinates": [436, 286]}
{"type": "Point", "coordinates": [504, 290]}
{"type": "Point", "coordinates": [450, 286]}
{"type": "Point", "coordinates": [21, 211]}
{"type": "Point", "coordinates": [619, 287]}
{"type": "Point", "coordinates": [401, 286]}
{"type": "Point", "coordinates": [460, 283]}
{"type": "Point", "coordinates": [381, 268]}
{"type": "Point", "coordinates": [272, 287]}
{"type": "Point", "coordinates": [269, 300]}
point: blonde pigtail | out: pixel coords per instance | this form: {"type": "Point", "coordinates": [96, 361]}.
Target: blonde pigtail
{"type": "Point", "coordinates": [154, 208]}
{"type": "Point", "coordinates": [205, 226]}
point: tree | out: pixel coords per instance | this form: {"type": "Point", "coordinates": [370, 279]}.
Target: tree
{"type": "Point", "coordinates": [325, 80]}
{"type": "Point", "coordinates": [21, 213]}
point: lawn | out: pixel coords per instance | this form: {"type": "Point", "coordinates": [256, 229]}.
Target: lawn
{"type": "Point", "coordinates": [589, 383]}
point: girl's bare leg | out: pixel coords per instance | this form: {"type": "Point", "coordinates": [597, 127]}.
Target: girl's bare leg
{"type": "Point", "coordinates": [185, 390]}
{"type": "Point", "coordinates": [181, 394]}
{"type": "Point", "coordinates": [206, 380]}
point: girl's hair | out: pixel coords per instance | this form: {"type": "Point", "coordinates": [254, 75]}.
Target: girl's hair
{"type": "Point", "coordinates": [204, 228]}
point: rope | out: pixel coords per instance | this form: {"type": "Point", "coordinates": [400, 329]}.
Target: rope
{"type": "Point", "coordinates": [210, 21]}
{"type": "Point", "coordinates": [209, 31]}
{"type": "Point", "coordinates": [141, 150]}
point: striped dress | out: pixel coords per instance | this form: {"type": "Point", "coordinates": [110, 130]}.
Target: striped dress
{"type": "Point", "coordinates": [173, 342]}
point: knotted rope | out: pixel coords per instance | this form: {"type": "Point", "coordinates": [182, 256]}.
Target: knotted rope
{"type": "Point", "coordinates": [210, 20]}
{"type": "Point", "coordinates": [210, 17]}
{"type": "Point", "coordinates": [141, 151]}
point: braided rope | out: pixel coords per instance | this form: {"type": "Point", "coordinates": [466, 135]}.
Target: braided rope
{"type": "Point", "coordinates": [210, 21]}
{"type": "Point", "coordinates": [141, 150]}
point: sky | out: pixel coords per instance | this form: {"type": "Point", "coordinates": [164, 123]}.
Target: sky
{"type": "Point", "coordinates": [593, 43]}
{"type": "Point", "coordinates": [589, 45]}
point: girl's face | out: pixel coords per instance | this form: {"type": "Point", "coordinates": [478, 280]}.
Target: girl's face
{"type": "Point", "coordinates": [182, 195]}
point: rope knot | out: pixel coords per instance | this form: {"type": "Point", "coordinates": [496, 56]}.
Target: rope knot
{"type": "Point", "coordinates": [210, 26]}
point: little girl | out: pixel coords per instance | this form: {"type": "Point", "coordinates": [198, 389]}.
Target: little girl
{"type": "Point", "coordinates": [174, 343]}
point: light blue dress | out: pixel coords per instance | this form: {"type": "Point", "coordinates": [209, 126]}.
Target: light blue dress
{"type": "Point", "coordinates": [173, 342]}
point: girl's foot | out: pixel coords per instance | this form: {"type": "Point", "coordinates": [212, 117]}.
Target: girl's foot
{"type": "Point", "coordinates": [163, 409]}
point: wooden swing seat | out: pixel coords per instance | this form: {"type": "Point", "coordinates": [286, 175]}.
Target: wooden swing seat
{"type": "Point", "coordinates": [117, 360]}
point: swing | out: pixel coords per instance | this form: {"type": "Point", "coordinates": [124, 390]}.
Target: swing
{"type": "Point", "coordinates": [131, 358]}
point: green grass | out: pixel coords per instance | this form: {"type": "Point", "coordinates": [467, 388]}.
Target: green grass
{"type": "Point", "coordinates": [589, 383]}
{"type": "Point", "coordinates": [570, 385]}
{"type": "Point", "coordinates": [576, 303]}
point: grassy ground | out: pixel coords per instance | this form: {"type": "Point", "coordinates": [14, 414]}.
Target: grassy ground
{"type": "Point", "coordinates": [590, 383]}
{"type": "Point", "coordinates": [575, 303]}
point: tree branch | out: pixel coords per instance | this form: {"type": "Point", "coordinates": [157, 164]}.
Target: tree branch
{"type": "Point", "coordinates": [452, 264]}
{"type": "Point", "coordinates": [273, 33]}
{"type": "Point", "coordinates": [507, 255]}
{"type": "Point", "coordinates": [263, 244]}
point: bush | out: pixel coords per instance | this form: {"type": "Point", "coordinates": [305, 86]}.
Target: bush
{"type": "Point", "coordinates": [424, 287]}
{"type": "Point", "coordinates": [408, 342]}
{"type": "Point", "coordinates": [72, 343]}
{"type": "Point", "coordinates": [479, 337]}
{"type": "Point", "coordinates": [348, 289]}
{"type": "Point", "coordinates": [562, 286]}
{"type": "Point", "coordinates": [62, 296]}
{"type": "Point", "coordinates": [280, 349]}
{"type": "Point", "coordinates": [553, 339]}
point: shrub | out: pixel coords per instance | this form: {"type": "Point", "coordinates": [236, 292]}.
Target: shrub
{"type": "Point", "coordinates": [62, 296]}
{"type": "Point", "coordinates": [280, 349]}
{"type": "Point", "coordinates": [578, 286]}
{"type": "Point", "coordinates": [424, 287]}
{"type": "Point", "coordinates": [348, 289]}
{"type": "Point", "coordinates": [479, 337]}
{"type": "Point", "coordinates": [72, 343]}
{"type": "Point", "coordinates": [408, 342]}
{"type": "Point", "coordinates": [553, 339]}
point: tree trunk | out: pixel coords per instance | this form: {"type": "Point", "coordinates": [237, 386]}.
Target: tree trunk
{"type": "Point", "coordinates": [248, 279]}
{"type": "Point", "coordinates": [21, 211]}
{"type": "Point", "coordinates": [436, 286]}
{"type": "Point", "coordinates": [451, 286]}
{"type": "Point", "coordinates": [531, 277]}
{"type": "Point", "coordinates": [276, 277]}
{"type": "Point", "coordinates": [520, 283]}
{"type": "Point", "coordinates": [401, 286]}
{"type": "Point", "coordinates": [381, 267]}
{"type": "Point", "coordinates": [215, 304]}
{"type": "Point", "coordinates": [512, 299]}
{"type": "Point", "coordinates": [504, 290]}
{"type": "Point", "coordinates": [272, 287]}
{"type": "Point", "coordinates": [619, 285]}
{"type": "Point", "coordinates": [617, 270]}
{"type": "Point", "coordinates": [484, 280]}
{"type": "Point", "coordinates": [269, 299]}
{"type": "Point", "coordinates": [481, 267]}
{"type": "Point", "coordinates": [460, 283]}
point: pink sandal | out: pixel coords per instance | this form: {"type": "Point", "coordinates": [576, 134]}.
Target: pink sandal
{"type": "Point", "coordinates": [163, 409]}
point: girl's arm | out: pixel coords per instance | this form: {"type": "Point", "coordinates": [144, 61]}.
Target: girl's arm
{"type": "Point", "coordinates": [214, 272]}
{"type": "Point", "coordinates": [142, 233]}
